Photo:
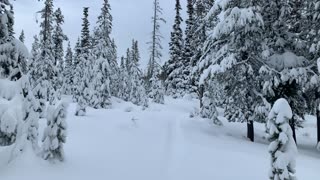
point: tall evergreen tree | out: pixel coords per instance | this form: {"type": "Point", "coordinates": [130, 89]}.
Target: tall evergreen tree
{"type": "Point", "coordinates": [138, 94]}
{"type": "Point", "coordinates": [58, 38]}
{"type": "Point", "coordinates": [173, 68]}
{"type": "Point", "coordinates": [155, 43]}
{"type": "Point", "coordinates": [68, 71]}
{"type": "Point", "coordinates": [288, 79]}
{"type": "Point", "coordinates": [106, 68]}
{"type": "Point", "coordinates": [190, 86]}
{"type": "Point", "coordinates": [45, 71]}
{"type": "Point", "coordinates": [32, 61]}
{"type": "Point", "coordinates": [233, 50]}
{"type": "Point", "coordinates": [83, 61]}
{"type": "Point", "coordinates": [200, 35]}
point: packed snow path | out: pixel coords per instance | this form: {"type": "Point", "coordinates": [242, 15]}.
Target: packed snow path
{"type": "Point", "coordinates": [160, 143]}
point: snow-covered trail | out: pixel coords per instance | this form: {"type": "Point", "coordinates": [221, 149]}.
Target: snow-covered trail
{"type": "Point", "coordinates": [160, 143]}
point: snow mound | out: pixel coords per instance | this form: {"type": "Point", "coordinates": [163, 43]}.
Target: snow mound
{"type": "Point", "coordinates": [286, 60]}
{"type": "Point", "coordinates": [282, 108]}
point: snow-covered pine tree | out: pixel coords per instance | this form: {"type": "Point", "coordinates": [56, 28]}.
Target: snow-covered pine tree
{"type": "Point", "coordinates": [312, 26]}
{"type": "Point", "coordinates": [173, 68]}
{"type": "Point", "coordinates": [44, 71]}
{"type": "Point", "coordinates": [284, 59]}
{"type": "Point", "coordinates": [75, 63]}
{"type": "Point", "coordinates": [138, 94]}
{"type": "Point", "coordinates": [124, 77]}
{"type": "Point", "coordinates": [157, 89]}
{"type": "Point", "coordinates": [34, 55]}
{"type": "Point", "coordinates": [82, 75]}
{"type": "Point", "coordinates": [234, 55]}
{"type": "Point", "coordinates": [58, 38]}
{"type": "Point", "coordinates": [282, 147]}
{"type": "Point", "coordinates": [30, 112]}
{"type": "Point", "coordinates": [68, 72]}
{"type": "Point", "coordinates": [22, 37]}
{"type": "Point", "coordinates": [210, 101]}
{"type": "Point", "coordinates": [55, 133]}
{"type": "Point", "coordinates": [155, 43]}
{"type": "Point", "coordinates": [200, 35]}
{"type": "Point", "coordinates": [189, 85]}
{"type": "Point", "coordinates": [13, 55]}
{"type": "Point", "coordinates": [106, 68]}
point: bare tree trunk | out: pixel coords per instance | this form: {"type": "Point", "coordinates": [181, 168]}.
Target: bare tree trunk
{"type": "Point", "coordinates": [250, 130]}
{"type": "Point", "coordinates": [318, 125]}
{"type": "Point", "coordinates": [292, 125]}
{"type": "Point", "coordinates": [201, 92]}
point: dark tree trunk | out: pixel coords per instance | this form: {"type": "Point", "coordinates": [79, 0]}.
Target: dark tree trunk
{"type": "Point", "coordinates": [293, 130]}
{"type": "Point", "coordinates": [317, 104]}
{"type": "Point", "coordinates": [201, 92]}
{"type": "Point", "coordinates": [250, 130]}
{"type": "Point", "coordinates": [318, 125]}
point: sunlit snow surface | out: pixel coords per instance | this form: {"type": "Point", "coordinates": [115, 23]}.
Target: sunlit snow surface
{"type": "Point", "coordinates": [160, 143]}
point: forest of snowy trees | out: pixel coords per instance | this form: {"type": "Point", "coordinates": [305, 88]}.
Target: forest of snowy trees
{"type": "Point", "coordinates": [257, 60]}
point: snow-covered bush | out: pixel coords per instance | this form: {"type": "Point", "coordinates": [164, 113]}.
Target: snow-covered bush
{"type": "Point", "coordinates": [101, 85]}
{"type": "Point", "coordinates": [55, 133]}
{"type": "Point", "coordinates": [282, 148]}
{"type": "Point", "coordinates": [157, 90]}
{"type": "Point", "coordinates": [30, 114]}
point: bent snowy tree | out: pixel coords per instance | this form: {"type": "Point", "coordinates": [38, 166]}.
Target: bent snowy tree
{"type": "Point", "coordinates": [282, 147]}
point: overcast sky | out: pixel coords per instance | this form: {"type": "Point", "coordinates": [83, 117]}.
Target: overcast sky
{"type": "Point", "coordinates": [132, 19]}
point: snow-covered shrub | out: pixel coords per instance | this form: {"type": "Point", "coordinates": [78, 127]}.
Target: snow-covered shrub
{"type": "Point", "coordinates": [157, 90]}
{"type": "Point", "coordinates": [282, 148]}
{"type": "Point", "coordinates": [209, 105]}
{"type": "Point", "coordinates": [101, 85]}
{"type": "Point", "coordinates": [55, 133]}
{"type": "Point", "coordinates": [8, 122]}
{"type": "Point", "coordinates": [30, 114]}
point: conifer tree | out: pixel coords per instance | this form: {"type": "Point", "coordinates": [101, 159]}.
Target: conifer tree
{"type": "Point", "coordinates": [289, 80]}
{"type": "Point", "coordinates": [106, 68]}
{"type": "Point", "coordinates": [173, 68]}
{"type": "Point", "coordinates": [282, 147]}
{"type": "Point", "coordinates": [13, 58]}
{"type": "Point", "coordinates": [82, 75]}
{"type": "Point", "coordinates": [35, 53]}
{"type": "Point", "coordinates": [155, 43]}
{"type": "Point", "coordinates": [124, 90]}
{"type": "Point", "coordinates": [68, 71]}
{"type": "Point", "coordinates": [45, 72]}
{"type": "Point", "coordinates": [55, 133]}
{"type": "Point", "coordinates": [157, 89]}
{"type": "Point", "coordinates": [200, 35]}
{"type": "Point", "coordinates": [22, 37]}
{"type": "Point", "coordinates": [58, 38]}
{"type": "Point", "coordinates": [137, 91]}
{"type": "Point", "coordinates": [189, 85]}
{"type": "Point", "coordinates": [232, 55]}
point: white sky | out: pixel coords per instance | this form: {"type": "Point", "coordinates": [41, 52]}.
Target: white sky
{"type": "Point", "coordinates": [132, 19]}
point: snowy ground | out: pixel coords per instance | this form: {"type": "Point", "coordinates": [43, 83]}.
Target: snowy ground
{"type": "Point", "coordinates": [160, 143]}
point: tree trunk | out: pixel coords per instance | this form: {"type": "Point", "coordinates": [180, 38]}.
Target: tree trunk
{"type": "Point", "coordinates": [318, 125]}
{"type": "Point", "coordinates": [201, 91]}
{"type": "Point", "coordinates": [250, 130]}
{"type": "Point", "coordinates": [293, 130]}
